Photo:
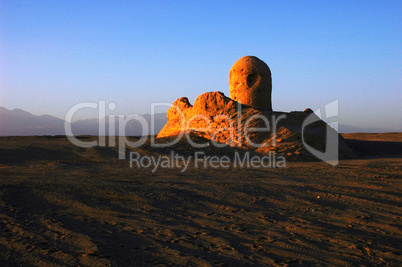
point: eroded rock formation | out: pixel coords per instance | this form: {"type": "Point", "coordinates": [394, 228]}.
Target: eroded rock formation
{"type": "Point", "coordinates": [246, 120]}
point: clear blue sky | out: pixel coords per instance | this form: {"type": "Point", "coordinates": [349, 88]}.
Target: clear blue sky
{"type": "Point", "coordinates": [55, 54]}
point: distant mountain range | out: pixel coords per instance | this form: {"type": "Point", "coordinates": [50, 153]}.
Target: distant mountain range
{"type": "Point", "coordinates": [343, 128]}
{"type": "Point", "coordinates": [18, 122]}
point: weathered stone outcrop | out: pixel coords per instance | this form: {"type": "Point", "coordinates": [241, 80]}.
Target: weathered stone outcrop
{"type": "Point", "coordinates": [224, 121]}
{"type": "Point", "coordinates": [213, 116]}
{"type": "Point", "coordinates": [246, 119]}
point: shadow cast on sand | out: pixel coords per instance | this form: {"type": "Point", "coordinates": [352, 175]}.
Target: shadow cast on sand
{"type": "Point", "coordinates": [368, 149]}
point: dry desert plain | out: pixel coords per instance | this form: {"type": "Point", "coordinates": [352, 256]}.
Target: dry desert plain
{"type": "Point", "coordinates": [62, 205]}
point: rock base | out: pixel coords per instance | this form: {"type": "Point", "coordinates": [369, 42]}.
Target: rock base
{"type": "Point", "coordinates": [224, 121]}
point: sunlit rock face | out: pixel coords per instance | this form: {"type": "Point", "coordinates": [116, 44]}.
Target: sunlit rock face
{"type": "Point", "coordinates": [213, 116]}
{"type": "Point", "coordinates": [250, 83]}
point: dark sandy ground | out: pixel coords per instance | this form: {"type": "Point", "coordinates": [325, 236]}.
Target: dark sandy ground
{"type": "Point", "coordinates": [61, 205]}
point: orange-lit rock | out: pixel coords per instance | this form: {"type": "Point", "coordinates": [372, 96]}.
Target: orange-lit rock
{"type": "Point", "coordinates": [250, 83]}
{"type": "Point", "coordinates": [224, 121]}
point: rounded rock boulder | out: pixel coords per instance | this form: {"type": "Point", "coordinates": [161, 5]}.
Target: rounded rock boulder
{"type": "Point", "coordinates": [250, 83]}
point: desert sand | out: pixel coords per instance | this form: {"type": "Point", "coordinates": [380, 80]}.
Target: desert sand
{"type": "Point", "coordinates": [62, 205]}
